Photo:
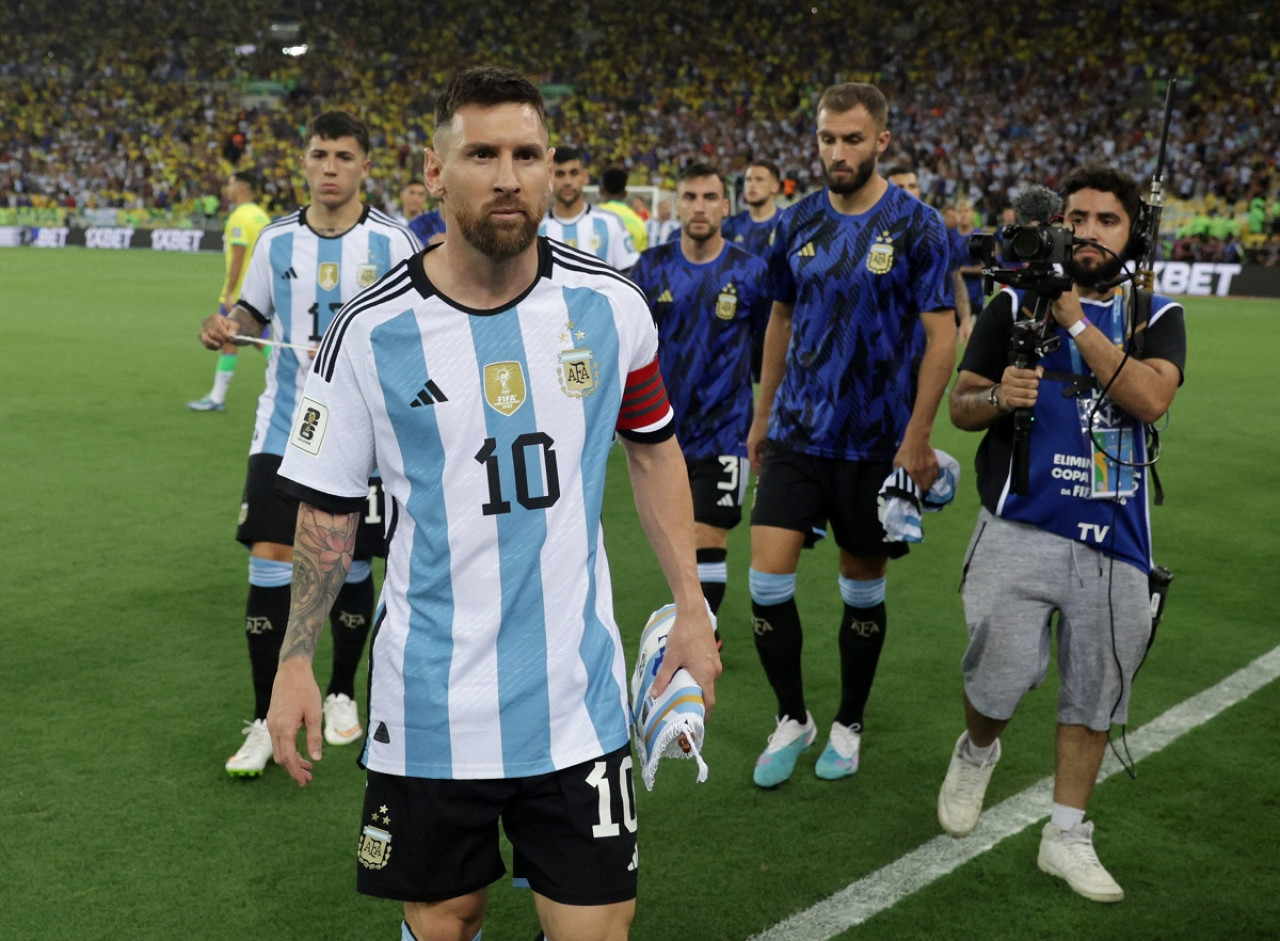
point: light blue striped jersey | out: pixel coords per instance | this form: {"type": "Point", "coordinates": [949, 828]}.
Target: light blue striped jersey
{"type": "Point", "coordinates": [600, 233]}
{"type": "Point", "coordinates": [297, 281]}
{"type": "Point", "coordinates": [496, 654]}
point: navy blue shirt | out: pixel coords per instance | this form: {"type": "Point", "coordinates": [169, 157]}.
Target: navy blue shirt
{"type": "Point", "coordinates": [707, 315]}
{"type": "Point", "coordinates": [426, 225]}
{"type": "Point", "coordinates": [858, 284]}
{"type": "Point", "coordinates": [741, 230]}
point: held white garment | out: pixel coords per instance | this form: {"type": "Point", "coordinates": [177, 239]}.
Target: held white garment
{"type": "Point", "coordinates": [673, 724]}
{"type": "Point", "coordinates": [901, 501]}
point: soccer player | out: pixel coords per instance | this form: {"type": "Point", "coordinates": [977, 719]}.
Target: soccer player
{"type": "Point", "coordinates": [858, 268]}
{"type": "Point", "coordinates": [413, 199]}
{"type": "Point", "coordinates": [904, 176]}
{"type": "Point", "coordinates": [1078, 541]}
{"type": "Point", "coordinates": [662, 228]}
{"type": "Point", "coordinates": [244, 223]}
{"type": "Point", "coordinates": [613, 197]}
{"type": "Point", "coordinates": [308, 264]}
{"type": "Point", "coordinates": [577, 223]}
{"type": "Point", "coordinates": [428, 227]}
{"type": "Point", "coordinates": [708, 298]}
{"type": "Point", "coordinates": [752, 228]}
{"type": "Point", "coordinates": [486, 378]}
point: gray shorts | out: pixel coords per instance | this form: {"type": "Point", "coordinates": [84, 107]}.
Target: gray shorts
{"type": "Point", "coordinates": [1016, 576]}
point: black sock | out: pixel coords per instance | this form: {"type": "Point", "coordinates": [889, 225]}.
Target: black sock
{"type": "Point", "coordinates": [713, 591]}
{"type": "Point", "coordinates": [350, 619]}
{"type": "Point", "coordinates": [861, 639]}
{"type": "Point", "coordinates": [779, 642]}
{"type": "Point", "coordinates": [266, 615]}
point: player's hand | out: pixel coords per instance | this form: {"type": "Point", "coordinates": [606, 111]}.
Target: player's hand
{"type": "Point", "coordinates": [295, 703]}
{"type": "Point", "coordinates": [692, 645]}
{"type": "Point", "coordinates": [755, 442]}
{"type": "Point", "coordinates": [918, 458]}
{"type": "Point", "coordinates": [1066, 308]}
{"type": "Point", "coordinates": [217, 330]}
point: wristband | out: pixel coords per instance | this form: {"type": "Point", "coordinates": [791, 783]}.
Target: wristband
{"type": "Point", "coordinates": [1078, 327]}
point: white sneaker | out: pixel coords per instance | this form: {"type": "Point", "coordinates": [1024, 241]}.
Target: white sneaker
{"type": "Point", "coordinates": [341, 719]}
{"type": "Point", "coordinates": [963, 789]}
{"type": "Point", "coordinates": [252, 758]}
{"type": "Point", "coordinates": [1069, 855]}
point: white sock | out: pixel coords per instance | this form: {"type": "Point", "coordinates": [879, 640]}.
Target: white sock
{"type": "Point", "coordinates": [1064, 817]}
{"type": "Point", "coordinates": [221, 380]}
{"type": "Point", "coordinates": [978, 756]}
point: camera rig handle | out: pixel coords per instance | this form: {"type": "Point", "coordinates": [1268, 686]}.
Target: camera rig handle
{"type": "Point", "coordinates": [1032, 338]}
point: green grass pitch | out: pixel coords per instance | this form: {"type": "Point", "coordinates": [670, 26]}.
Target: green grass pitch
{"type": "Point", "coordinates": [124, 679]}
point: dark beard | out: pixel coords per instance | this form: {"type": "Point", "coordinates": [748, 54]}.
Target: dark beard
{"type": "Point", "coordinates": [861, 173]}
{"type": "Point", "coordinates": [1093, 276]}
{"type": "Point", "coordinates": [498, 242]}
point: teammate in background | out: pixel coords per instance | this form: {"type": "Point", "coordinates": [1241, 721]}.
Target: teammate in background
{"type": "Point", "coordinates": [752, 228]}
{"type": "Point", "coordinates": [309, 263]}
{"type": "Point", "coordinates": [487, 378]}
{"type": "Point", "coordinates": [613, 197]}
{"type": "Point", "coordinates": [904, 176]}
{"type": "Point", "coordinates": [709, 299]}
{"type": "Point", "coordinates": [577, 223]}
{"type": "Point", "coordinates": [662, 228]}
{"type": "Point", "coordinates": [428, 227]}
{"type": "Point", "coordinates": [413, 199]}
{"type": "Point", "coordinates": [857, 269]}
{"type": "Point", "coordinates": [244, 223]}
{"type": "Point", "coordinates": [1081, 548]}
{"type": "Point", "coordinates": [970, 265]}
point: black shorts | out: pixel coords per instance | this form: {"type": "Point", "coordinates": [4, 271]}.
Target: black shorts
{"type": "Point", "coordinates": [718, 485]}
{"type": "Point", "coordinates": [427, 840]}
{"type": "Point", "coordinates": [803, 492]}
{"type": "Point", "coordinates": [268, 514]}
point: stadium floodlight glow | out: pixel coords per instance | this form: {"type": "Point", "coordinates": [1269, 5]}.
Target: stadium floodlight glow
{"type": "Point", "coordinates": [295, 50]}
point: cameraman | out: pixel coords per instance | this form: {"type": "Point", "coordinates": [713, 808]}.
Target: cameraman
{"type": "Point", "coordinates": [1078, 541]}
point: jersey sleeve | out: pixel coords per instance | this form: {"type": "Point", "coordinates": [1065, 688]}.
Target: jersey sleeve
{"type": "Point", "coordinates": [1166, 336]}
{"type": "Point", "coordinates": [622, 249]}
{"type": "Point", "coordinates": [782, 285]}
{"type": "Point", "coordinates": [646, 415]}
{"type": "Point", "coordinates": [931, 265]}
{"type": "Point", "coordinates": [255, 291]}
{"type": "Point", "coordinates": [330, 454]}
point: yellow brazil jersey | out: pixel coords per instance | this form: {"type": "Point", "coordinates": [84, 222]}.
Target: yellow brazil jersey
{"type": "Point", "coordinates": [243, 226]}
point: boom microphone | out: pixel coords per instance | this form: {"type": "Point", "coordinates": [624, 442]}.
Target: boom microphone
{"type": "Point", "coordinates": [1036, 204]}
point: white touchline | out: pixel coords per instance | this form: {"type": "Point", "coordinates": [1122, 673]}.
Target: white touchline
{"type": "Point", "coordinates": [859, 901]}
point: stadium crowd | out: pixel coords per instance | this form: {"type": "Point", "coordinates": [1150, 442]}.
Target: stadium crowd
{"type": "Point", "coordinates": [137, 103]}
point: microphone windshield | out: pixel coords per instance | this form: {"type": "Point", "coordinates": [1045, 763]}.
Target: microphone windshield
{"type": "Point", "coordinates": [1036, 204]}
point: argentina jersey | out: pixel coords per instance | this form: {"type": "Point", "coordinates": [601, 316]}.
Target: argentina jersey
{"type": "Point", "coordinates": [746, 233]}
{"type": "Point", "coordinates": [707, 316]}
{"type": "Point", "coordinates": [496, 654]}
{"type": "Point", "coordinates": [858, 284]}
{"type": "Point", "coordinates": [297, 281]}
{"type": "Point", "coordinates": [599, 233]}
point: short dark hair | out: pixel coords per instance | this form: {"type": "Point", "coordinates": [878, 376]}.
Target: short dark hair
{"type": "Point", "coordinates": [487, 85]}
{"type": "Point", "coordinates": [1105, 180]}
{"type": "Point", "coordinates": [846, 97]}
{"type": "Point", "coordinates": [767, 165]}
{"type": "Point", "coordinates": [899, 169]}
{"type": "Point", "coordinates": [250, 179]}
{"type": "Point", "coordinates": [698, 170]}
{"type": "Point", "coordinates": [334, 124]}
{"type": "Point", "coordinates": [614, 181]}
{"type": "Point", "coordinates": [566, 152]}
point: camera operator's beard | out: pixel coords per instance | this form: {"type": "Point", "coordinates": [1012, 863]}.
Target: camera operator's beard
{"type": "Point", "coordinates": [500, 241]}
{"type": "Point", "coordinates": [1093, 275]}
{"type": "Point", "coordinates": [861, 174]}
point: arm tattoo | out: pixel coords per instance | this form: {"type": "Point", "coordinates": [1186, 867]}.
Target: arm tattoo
{"type": "Point", "coordinates": [322, 549]}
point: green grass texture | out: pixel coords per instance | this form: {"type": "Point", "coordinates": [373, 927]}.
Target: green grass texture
{"type": "Point", "coordinates": [125, 681]}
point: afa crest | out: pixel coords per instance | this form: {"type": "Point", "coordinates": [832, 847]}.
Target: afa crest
{"type": "Point", "coordinates": [727, 302]}
{"type": "Point", "coordinates": [578, 372]}
{"type": "Point", "coordinates": [327, 275]}
{"type": "Point", "coordinates": [366, 275]}
{"type": "Point", "coordinates": [504, 387]}
{"type": "Point", "coordinates": [880, 258]}
{"type": "Point", "coordinates": [374, 850]}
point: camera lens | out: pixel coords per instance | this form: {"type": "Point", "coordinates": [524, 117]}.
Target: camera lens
{"type": "Point", "coordinates": [1029, 243]}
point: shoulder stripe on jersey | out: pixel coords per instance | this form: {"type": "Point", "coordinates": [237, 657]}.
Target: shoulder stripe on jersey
{"type": "Point", "coordinates": [395, 283]}
{"type": "Point", "coordinates": [574, 260]}
{"type": "Point", "coordinates": [381, 217]}
{"type": "Point", "coordinates": [287, 220]}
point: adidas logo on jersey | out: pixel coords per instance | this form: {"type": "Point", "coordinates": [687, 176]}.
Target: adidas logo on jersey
{"type": "Point", "coordinates": [726, 500]}
{"type": "Point", "coordinates": [290, 275]}
{"type": "Point", "coordinates": [807, 251]}
{"type": "Point", "coordinates": [429, 394]}
{"type": "Point", "coordinates": [664, 298]}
